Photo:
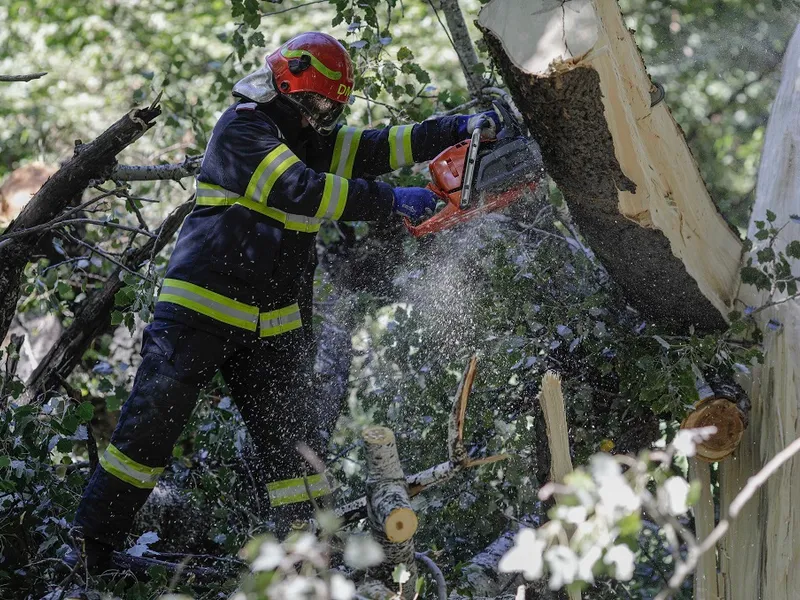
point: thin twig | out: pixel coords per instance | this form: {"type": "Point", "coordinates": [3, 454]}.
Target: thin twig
{"type": "Point", "coordinates": [754, 483]}
{"type": "Point", "coordinates": [102, 254]}
{"type": "Point", "coordinates": [438, 576]}
{"type": "Point", "coordinates": [108, 224]}
{"type": "Point", "coordinates": [277, 12]}
{"type": "Point", "coordinates": [28, 77]}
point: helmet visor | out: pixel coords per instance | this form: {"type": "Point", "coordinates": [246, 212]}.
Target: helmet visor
{"type": "Point", "coordinates": [321, 112]}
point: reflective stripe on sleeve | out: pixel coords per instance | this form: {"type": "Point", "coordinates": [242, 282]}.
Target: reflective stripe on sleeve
{"type": "Point", "coordinates": [209, 303]}
{"type": "Point", "coordinates": [290, 491]}
{"type": "Point", "coordinates": [280, 321]}
{"type": "Point", "coordinates": [268, 171]}
{"type": "Point", "coordinates": [213, 195]}
{"type": "Point", "coordinates": [344, 151]}
{"type": "Point", "coordinates": [128, 470]}
{"type": "Point", "coordinates": [400, 146]}
{"type": "Point", "coordinates": [334, 197]}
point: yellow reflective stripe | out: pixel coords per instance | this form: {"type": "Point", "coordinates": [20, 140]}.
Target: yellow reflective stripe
{"type": "Point", "coordinates": [268, 171]}
{"type": "Point", "coordinates": [334, 197]}
{"type": "Point", "coordinates": [400, 154]}
{"type": "Point", "coordinates": [344, 151]}
{"type": "Point", "coordinates": [290, 491]}
{"type": "Point", "coordinates": [209, 303]}
{"type": "Point", "coordinates": [214, 195]}
{"type": "Point", "coordinates": [280, 321]}
{"type": "Point", "coordinates": [128, 470]}
{"type": "Point", "coordinates": [317, 63]}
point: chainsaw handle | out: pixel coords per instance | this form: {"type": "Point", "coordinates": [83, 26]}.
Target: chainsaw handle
{"type": "Point", "coordinates": [415, 229]}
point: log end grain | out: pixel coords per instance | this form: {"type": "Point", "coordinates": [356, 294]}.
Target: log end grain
{"type": "Point", "coordinates": [723, 414]}
{"type": "Point", "coordinates": [400, 525]}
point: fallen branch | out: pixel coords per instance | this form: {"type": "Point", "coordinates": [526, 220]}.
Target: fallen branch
{"type": "Point", "coordinates": [93, 315]}
{"type": "Point", "coordinates": [29, 77]}
{"type": "Point", "coordinates": [459, 460]}
{"type": "Point", "coordinates": [175, 172]}
{"type": "Point", "coordinates": [695, 552]}
{"type": "Point", "coordinates": [90, 162]}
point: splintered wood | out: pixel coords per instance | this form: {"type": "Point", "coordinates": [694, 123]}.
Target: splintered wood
{"type": "Point", "coordinates": [624, 168]}
{"type": "Point", "coordinates": [555, 416]}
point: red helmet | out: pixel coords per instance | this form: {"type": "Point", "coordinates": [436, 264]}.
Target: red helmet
{"type": "Point", "coordinates": [315, 73]}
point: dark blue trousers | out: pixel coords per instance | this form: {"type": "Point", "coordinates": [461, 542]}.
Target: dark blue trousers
{"type": "Point", "coordinates": [270, 382]}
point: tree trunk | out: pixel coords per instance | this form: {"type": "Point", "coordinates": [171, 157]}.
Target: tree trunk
{"type": "Point", "coordinates": [623, 166]}
{"type": "Point", "coordinates": [389, 512]}
{"type": "Point", "coordinates": [762, 551]}
{"type": "Point", "coordinates": [705, 578]}
{"type": "Point", "coordinates": [91, 161]}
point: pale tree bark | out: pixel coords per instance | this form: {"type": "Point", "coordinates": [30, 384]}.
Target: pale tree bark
{"type": "Point", "coordinates": [389, 512]}
{"type": "Point", "coordinates": [623, 166]}
{"type": "Point", "coordinates": [762, 553]}
{"type": "Point", "coordinates": [705, 578]}
{"type": "Point", "coordinates": [464, 47]}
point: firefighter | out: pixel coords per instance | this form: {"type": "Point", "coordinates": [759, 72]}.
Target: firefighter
{"type": "Point", "coordinates": [237, 296]}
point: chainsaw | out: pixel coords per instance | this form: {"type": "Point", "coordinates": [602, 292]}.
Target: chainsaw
{"type": "Point", "coordinates": [476, 177]}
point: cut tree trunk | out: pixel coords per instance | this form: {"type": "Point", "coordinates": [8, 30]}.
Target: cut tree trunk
{"type": "Point", "coordinates": [623, 166]}
{"type": "Point", "coordinates": [389, 512]}
{"type": "Point", "coordinates": [91, 161]}
{"type": "Point", "coordinates": [705, 578]}
{"type": "Point", "coordinates": [761, 554]}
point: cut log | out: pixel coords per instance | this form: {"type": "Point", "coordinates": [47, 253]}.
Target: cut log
{"type": "Point", "coordinates": [762, 551]}
{"type": "Point", "coordinates": [723, 405]}
{"type": "Point", "coordinates": [391, 518]}
{"type": "Point", "coordinates": [623, 166]}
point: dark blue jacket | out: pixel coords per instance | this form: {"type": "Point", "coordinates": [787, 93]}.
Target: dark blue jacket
{"type": "Point", "coordinates": [244, 261]}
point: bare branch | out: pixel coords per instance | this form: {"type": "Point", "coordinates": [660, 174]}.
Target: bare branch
{"type": "Point", "coordinates": [108, 224]}
{"type": "Point", "coordinates": [174, 172]}
{"type": "Point", "coordinates": [283, 10]}
{"type": "Point", "coordinates": [29, 77]}
{"type": "Point", "coordinates": [462, 43]}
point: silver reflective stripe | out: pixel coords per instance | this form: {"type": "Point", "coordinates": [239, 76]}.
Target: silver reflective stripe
{"type": "Point", "coordinates": [302, 222]}
{"type": "Point", "coordinates": [399, 146]}
{"type": "Point", "coordinates": [212, 305]}
{"type": "Point", "coordinates": [208, 192]}
{"type": "Point", "coordinates": [334, 202]}
{"type": "Point", "coordinates": [274, 164]}
{"type": "Point", "coordinates": [347, 142]}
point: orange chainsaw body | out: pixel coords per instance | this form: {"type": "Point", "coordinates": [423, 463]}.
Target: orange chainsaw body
{"type": "Point", "coordinates": [504, 171]}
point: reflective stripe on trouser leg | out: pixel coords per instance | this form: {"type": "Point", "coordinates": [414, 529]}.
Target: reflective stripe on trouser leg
{"type": "Point", "coordinates": [128, 470]}
{"type": "Point", "coordinates": [291, 491]}
{"type": "Point", "coordinates": [151, 420]}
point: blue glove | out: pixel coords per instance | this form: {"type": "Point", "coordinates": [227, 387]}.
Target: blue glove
{"type": "Point", "coordinates": [413, 202]}
{"type": "Point", "coordinates": [468, 123]}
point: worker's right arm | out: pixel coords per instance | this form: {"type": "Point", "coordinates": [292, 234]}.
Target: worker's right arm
{"type": "Point", "coordinates": [257, 165]}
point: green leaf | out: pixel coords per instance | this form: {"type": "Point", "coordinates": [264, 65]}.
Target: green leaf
{"type": "Point", "coordinates": [771, 216]}
{"type": "Point", "coordinates": [760, 224]}
{"type": "Point", "coordinates": [85, 411]}
{"type": "Point", "coordinates": [116, 317]}
{"type": "Point", "coordinates": [793, 249]}
{"type": "Point", "coordinates": [404, 54]}
{"type": "Point", "coordinates": [753, 276]}
{"type": "Point", "coordinates": [765, 255]}
{"type": "Point", "coordinates": [761, 234]}
{"type": "Point", "coordinates": [64, 445]}
{"type": "Point", "coordinates": [5, 461]}
{"type": "Point", "coordinates": [257, 40]}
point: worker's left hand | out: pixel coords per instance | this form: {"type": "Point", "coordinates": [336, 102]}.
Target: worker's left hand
{"type": "Point", "coordinates": [468, 123]}
{"type": "Point", "coordinates": [414, 203]}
